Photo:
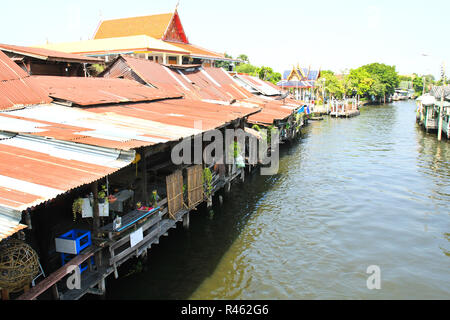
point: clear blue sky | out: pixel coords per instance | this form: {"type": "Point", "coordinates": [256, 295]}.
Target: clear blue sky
{"type": "Point", "coordinates": [331, 34]}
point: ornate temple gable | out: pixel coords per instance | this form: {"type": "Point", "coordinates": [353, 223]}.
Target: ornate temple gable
{"type": "Point", "coordinates": [295, 75]}
{"type": "Point", "coordinates": [175, 31]}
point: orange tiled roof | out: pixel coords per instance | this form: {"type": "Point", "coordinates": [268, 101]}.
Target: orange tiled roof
{"type": "Point", "coordinates": [154, 26]}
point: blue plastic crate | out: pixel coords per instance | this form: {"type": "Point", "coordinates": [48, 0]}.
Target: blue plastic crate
{"type": "Point", "coordinates": [73, 241]}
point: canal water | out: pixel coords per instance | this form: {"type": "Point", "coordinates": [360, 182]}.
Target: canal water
{"type": "Point", "coordinates": [370, 190]}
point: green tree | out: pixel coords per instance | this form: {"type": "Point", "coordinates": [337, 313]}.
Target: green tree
{"type": "Point", "coordinates": [244, 58]}
{"type": "Point", "coordinates": [224, 64]}
{"type": "Point", "coordinates": [386, 76]}
{"type": "Point", "coordinates": [333, 86]}
{"type": "Point", "coordinates": [360, 82]}
{"type": "Point", "coordinates": [418, 85]}
{"type": "Point", "coordinates": [247, 68]}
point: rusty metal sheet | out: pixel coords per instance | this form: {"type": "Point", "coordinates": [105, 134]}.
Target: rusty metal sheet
{"type": "Point", "coordinates": [9, 226]}
{"type": "Point", "coordinates": [97, 91]}
{"type": "Point", "coordinates": [51, 55]}
{"type": "Point", "coordinates": [35, 170]}
{"type": "Point", "coordinates": [17, 89]}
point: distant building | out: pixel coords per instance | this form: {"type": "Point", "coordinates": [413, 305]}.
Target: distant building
{"type": "Point", "coordinates": [160, 38]}
{"type": "Point", "coordinates": [300, 81]}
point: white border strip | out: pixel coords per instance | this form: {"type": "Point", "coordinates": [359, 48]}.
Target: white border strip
{"type": "Point", "coordinates": [178, 80]}
{"type": "Point", "coordinates": [29, 187]}
{"type": "Point", "coordinates": [209, 77]}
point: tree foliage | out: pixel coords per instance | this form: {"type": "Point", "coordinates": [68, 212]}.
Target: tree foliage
{"type": "Point", "coordinates": [373, 80]}
{"type": "Point", "coordinates": [263, 72]}
{"type": "Point", "coordinates": [224, 64]}
{"type": "Point", "coordinates": [332, 85]}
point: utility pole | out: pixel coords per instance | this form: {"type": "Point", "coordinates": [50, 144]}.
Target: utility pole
{"type": "Point", "coordinates": [423, 88]}
{"type": "Point", "coordinates": [441, 109]}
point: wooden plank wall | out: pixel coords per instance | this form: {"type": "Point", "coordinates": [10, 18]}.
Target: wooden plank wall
{"type": "Point", "coordinates": [174, 184]}
{"type": "Point", "coordinates": [195, 185]}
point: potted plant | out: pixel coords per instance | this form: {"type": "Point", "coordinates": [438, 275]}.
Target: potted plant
{"type": "Point", "coordinates": [102, 195]}
{"type": "Point", "coordinates": [155, 198]}
{"type": "Point", "coordinates": [77, 207]}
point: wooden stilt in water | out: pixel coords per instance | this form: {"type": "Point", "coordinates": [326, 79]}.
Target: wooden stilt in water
{"type": "Point", "coordinates": [186, 221]}
{"type": "Point", "coordinates": [102, 289]}
{"type": "Point", "coordinates": [209, 202]}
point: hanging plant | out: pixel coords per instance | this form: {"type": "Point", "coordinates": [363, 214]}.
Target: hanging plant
{"type": "Point", "coordinates": [77, 207]}
{"type": "Point", "coordinates": [207, 181]}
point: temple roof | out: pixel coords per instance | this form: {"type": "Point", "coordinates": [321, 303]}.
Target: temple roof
{"type": "Point", "coordinates": [153, 25]}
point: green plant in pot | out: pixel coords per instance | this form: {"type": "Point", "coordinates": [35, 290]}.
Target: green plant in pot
{"type": "Point", "coordinates": [102, 195]}
{"type": "Point", "coordinates": [77, 207]}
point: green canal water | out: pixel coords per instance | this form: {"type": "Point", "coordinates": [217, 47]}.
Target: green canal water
{"type": "Point", "coordinates": [370, 190]}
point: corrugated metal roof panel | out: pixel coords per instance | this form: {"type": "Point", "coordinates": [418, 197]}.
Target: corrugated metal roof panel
{"type": "Point", "coordinates": [17, 89]}
{"type": "Point", "coordinates": [9, 226]}
{"type": "Point", "coordinates": [194, 83]}
{"type": "Point", "coordinates": [259, 85]}
{"type": "Point", "coordinates": [95, 91]}
{"type": "Point", "coordinates": [34, 170]}
{"type": "Point", "coordinates": [46, 54]}
{"type": "Point", "coordinates": [9, 70]}
{"type": "Point", "coordinates": [125, 126]}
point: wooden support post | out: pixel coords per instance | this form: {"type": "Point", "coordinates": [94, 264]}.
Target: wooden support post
{"type": "Point", "coordinates": [55, 292]}
{"type": "Point", "coordinates": [186, 221]}
{"type": "Point", "coordinates": [145, 179]}
{"type": "Point", "coordinates": [220, 199]}
{"type": "Point", "coordinates": [243, 174]}
{"type": "Point", "coordinates": [441, 111]}
{"type": "Point", "coordinates": [96, 226]}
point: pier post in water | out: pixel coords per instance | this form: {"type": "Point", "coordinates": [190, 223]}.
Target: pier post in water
{"type": "Point", "coordinates": [186, 221]}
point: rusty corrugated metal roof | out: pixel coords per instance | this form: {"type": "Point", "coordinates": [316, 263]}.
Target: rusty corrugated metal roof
{"type": "Point", "coordinates": [96, 91]}
{"type": "Point", "coordinates": [34, 170]}
{"type": "Point", "coordinates": [209, 84]}
{"type": "Point", "coordinates": [257, 84]}
{"type": "Point", "coordinates": [124, 126]}
{"type": "Point", "coordinates": [9, 226]}
{"type": "Point", "coordinates": [17, 89]}
{"type": "Point", "coordinates": [48, 55]}
{"type": "Point", "coordinates": [212, 84]}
